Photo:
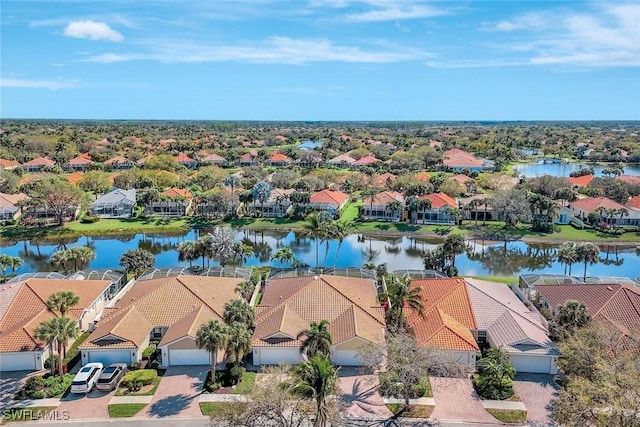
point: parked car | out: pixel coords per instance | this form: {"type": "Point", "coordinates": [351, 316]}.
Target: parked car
{"type": "Point", "coordinates": [86, 378]}
{"type": "Point", "coordinates": [111, 376]}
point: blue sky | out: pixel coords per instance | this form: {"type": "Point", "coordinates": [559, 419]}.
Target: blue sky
{"type": "Point", "coordinates": [320, 60]}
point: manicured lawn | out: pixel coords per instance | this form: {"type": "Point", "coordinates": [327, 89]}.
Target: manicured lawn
{"type": "Point", "coordinates": [246, 383]}
{"type": "Point", "coordinates": [496, 230]}
{"type": "Point", "coordinates": [507, 280]}
{"type": "Point", "coordinates": [220, 409]}
{"type": "Point", "coordinates": [121, 410]}
{"type": "Point", "coordinates": [507, 416]}
{"type": "Point", "coordinates": [33, 413]}
{"type": "Point", "coordinates": [413, 411]}
{"type": "Point", "coordinates": [114, 225]}
{"type": "Point", "coordinates": [350, 212]}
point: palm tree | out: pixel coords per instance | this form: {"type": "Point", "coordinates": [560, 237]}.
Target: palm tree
{"type": "Point", "coordinates": [453, 246]}
{"type": "Point", "coordinates": [399, 295]}
{"type": "Point", "coordinates": [239, 342]}
{"type": "Point", "coordinates": [7, 261]}
{"type": "Point", "coordinates": [67, 330]}
{"type": "Point", "coordinates": [472, 206]}
{"type": "Point", "coordinates": [394, 206]}
{"type": "Point", "coordinates": [261, 192]}
{"type": "Point", "coordinates": [212, 336]}
{"type": "Point", "coordinates": [413, 204]}
{"type": "Point", "coordinates": [246, 289]}
{"type": "Point", "coordinates": [317, 339]}
{"type": "Point", "coordinates": [243, 252]}
{"type": "Point", "coordinates": [204, 247]}
{"type": "Point", "coordinates": [62, 301]}
{"type": "Point", "coordinates": [587, 253]}
{"type": "Point", "coordinates": [341, 230]}
{"type": "Point", "coordinates": [232, 181]}
{"type": "Point", "coordinates": [316, 379]}
{"type": "Point", "coordinates": [370, 193]}
{"type": "Point", "coordinates": [238, 311]}
{"type": "Point", "coordinates": [188, 251]}
{"type": "Point", "coordinates": [284, 256]}
{"type": "Point", "coordinates": [572, 315]}
{"type": "Point", "coordinates": [82, 256]}
{"type": "Point", "coordinates": [567, 255]}
{"type": "Point", "coordinates": [60, 259]}
{"type": "Point", "coordinates": [46, 332]}
{"type": "Point", "coordinates": [314, 227]}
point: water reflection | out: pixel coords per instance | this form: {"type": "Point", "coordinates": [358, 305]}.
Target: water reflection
{"type": "Point", "coordinates": [484, 257]}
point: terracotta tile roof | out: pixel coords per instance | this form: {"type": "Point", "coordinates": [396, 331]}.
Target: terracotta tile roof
{"type": "Point", "coordinates": [634, 202]}
{"type": "Point", "coordinates": [447, 316]}
{"type": "Point", "coordinates": [459, 158]}
{"type": "Point", "coordinates": [164, 302]}
{"type": "Point", "coordinates": [342, 158]}
{"type": "Point", "coordinates": [24, 308]}
{"type": "Point", "coordinates": [581, 181]}
{"type": "Point", "coordinates": [381, 199]}
{"type": "Point", "coordinates": [6, 164]}
{"type": "Point", "coordinates": [117, 159]}
{"type": "Point", "coordinates": [279, 157]}
{"type": "Point", "coordinates": [175, 192]}
{"type": "Point", "coordinates": [40, 161]}
{"type": "Point", "coordinates": [75, 177]}
{"type": "Point", "coordinates": [7, 200]}
{"type": "Point", "coordinates": [461, 178]}
{"type": "Point", "coordinates": [329, 196]}
{"type": "Point", "coordinates": [592, 203]}
{"type": "Point", "coordinates": [366, 160]}
{"type": "Point", "coordinates": [290, 305]}
{"type": "Point", "coordinates": [81, 160]}
{"type": "Point", "coordinates": [183, 158]}
{"type": "Point", "coordinates": [617, 304]}
{"type": "Point", "coordinates": [422, 177]}
{"type": "Point", "coordinates": [213, 157]}
{"type": "Point", "coordinates": [384, 179]}
{"type": "Point", "coordinates": [630, 179]}
{"type": "Point", "coordinates": [439, 200]}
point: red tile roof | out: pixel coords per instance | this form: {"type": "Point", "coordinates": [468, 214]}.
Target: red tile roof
{"type": "Point", "coordinates": [384, 198]}
{"type": "Point", "coordinates": [447, 317]}
{"type": "Point", "coordinates": [384, 179]}
{"type": "Point", "coordinates": [40, 161]}
{"type": "Point", "coordinates": [592, 203]}
{"type": "Point", "coordinates": [581, 181]}
{"type": "Point", "coordinates": [117, 159]}
{"type": "Point", "coordinates": [459, 158]}
{"type": "Point", "coordinates": [461, 178]}
{"type": "Point", "coordinates": [7, 200]}
{"type": "Point", "coordinates": [422, 177]}
{"type": "Point", "coordinates": [366, 160]}
{"type": "Point", "coordinates": [342, 158]}
{"type": "Point", "coordinates": [439, 200]}
{"type": "Point", "coordinates": [75, 177]}
{"type": "Point", "coordinates": [6, 164]}
{"type": "Point", "coordinates": [175, 192]}
{"type": "Point", "coordinates": [629, 179]}
{"type": "Point", "coordinates": [81, 160]}
{"type": "Point", "coordinates": [634, 202]}
{"type": "Point", "coordinates": [329, 196]}
{"type": "Point", "coordinates": [279, 157]}
{"type": "Point", "coordinates": [183, 158]}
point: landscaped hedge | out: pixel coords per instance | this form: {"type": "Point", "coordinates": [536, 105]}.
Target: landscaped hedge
{"type": "Point", "coordinates": [141, 376]}
{"type": "Point", "coordinates": [73, 354]}
{"type": "Point", "coordinates": [48, 386]}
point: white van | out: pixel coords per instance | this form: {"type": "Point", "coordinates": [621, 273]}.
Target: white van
{"type": "Point", "coordinates": [86, 378]}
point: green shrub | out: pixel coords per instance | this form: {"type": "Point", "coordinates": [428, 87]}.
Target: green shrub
{"type": "Point", "coordinates": [88, 219]}
{"type": "Point", "coordinates": [33, 383]}
{"type": "Point", "coordinates": [148, 352]}
{"type": "Point", "coordinates": [139, 378]}
{"type": "Point", "coordinates": [235, 373]}
{"type": "Point", "coordinates": [37, 394]}
{"type": "Point", "coordinates": [43, 387]}
{"type": "Point", "coordinates": [47, 363]}
{"type": "Point", "coordinates": [73, 354]}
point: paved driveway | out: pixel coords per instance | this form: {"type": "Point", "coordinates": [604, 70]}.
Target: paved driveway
{"type": "Point", "coordinates": [360, 393]}
{"type": "Point", "coordinates": [536, 391]}
{"type": "Point", "coordinates": [178, 393]}
{"type": "Point", "coordinates": [456, 400]}
{"type": "Point", "coordinates": [10, 383]}
{"type": "Point", "coordinates": [86, 406]}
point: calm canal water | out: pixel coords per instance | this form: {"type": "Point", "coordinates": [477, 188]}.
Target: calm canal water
{"type": "Point", "coordinates": [564, 169]}
{"type": "Point", "coordinates": [486, 257]}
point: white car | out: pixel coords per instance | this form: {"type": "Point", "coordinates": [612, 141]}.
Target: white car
{"type": "Point", "coordinates": [86, 378]}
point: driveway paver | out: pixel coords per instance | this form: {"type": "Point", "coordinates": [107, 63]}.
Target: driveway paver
{"type": "Point", "coordinates": [360, 393]}
{"type": "Point", "coordinates": [10, 384]}
{"type": "Point", "coordinates": [456, 400]}
{"type": "Point", "coordinates": [178, 393]}
{"type": "Point", "coordinates": [537, 391]}
{"type": "Point", "coordinates": [86, 406]}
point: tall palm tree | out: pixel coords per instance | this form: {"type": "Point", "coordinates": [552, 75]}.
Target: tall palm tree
{"type": "Point", "coordinates": [567, 255]}
{"type": "Point", "coordinates": [400, 295]}
{"type": "Point", "coordinates": [81, 256]}
{"type": "Point", "coordinates": [317, 339]}
{"type": "Point", "coordinates": [370, 193]}
{"type": "Point", "coordinates": [238, 311]}
{"type": "Point", "coordinates": [204, 247]}
{"type": "Point", "coordinates": [341, 230]}
{"type": "Point", "coordinates": [316, 379]}
{"type": "Point", "coordinates": [15, 262]}
{"type": "Point", "coordinates": [453, 246]}
{"type": "Point", "coordinates": [62, 301]}
{"type": "Point", "coordinates": [243, 252]}
{"type": "Point", "coordinates": [395, 207]}
{"type": "Point", "coordinates": [314, 227]}
{"type": "Point", "coordinates": [188, 251]}
{"type": "Point", "coordinates": [212, 336]}
{"type": "Point", "coordinates": [67, 330]}
{"type": "Point", "coordinates": [246, 289]}
{"type": "Point", "coordinates": [239, 342]}
{"type": "Point", "coordinates": [587, 253]}
{"type": "Point", "coordinates": [261, 192]}
{"type": "Point", "coordinates": [232, 181]}
{"type": "Point", "coordinates": [284, 256]}
{"type": "Point", "coordinates": [46, 332]}
{"type": "Point", "coordinates": [61, 259]}
{"type": "Point", "coordinates": [573, 315]}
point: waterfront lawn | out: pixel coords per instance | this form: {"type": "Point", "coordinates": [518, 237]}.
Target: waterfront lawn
{"type": "Point", "coordinates": [507, 280]}
{"type": "Point", "coordinates": [495, 231]}
{"type": "Point", "coordinates": [350, 211]}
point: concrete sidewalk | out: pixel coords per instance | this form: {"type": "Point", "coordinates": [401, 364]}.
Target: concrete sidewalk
{"type": "Point", "coordinates": [426, 401]}
{"type": "Point", "coordinates": [33, 403]}
{"type": "Point", "coordinates": [506, 405]}
{"type": "Point", "coordinates": [212, 397]}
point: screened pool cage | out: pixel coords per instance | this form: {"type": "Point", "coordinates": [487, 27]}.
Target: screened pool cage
{"type": "Point", "coordinates": [532, 280]}
{"type": "Point", "coordinates": [157, 273]}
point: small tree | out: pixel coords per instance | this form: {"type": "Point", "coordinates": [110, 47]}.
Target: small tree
{"type": "Point", "coordinates": [62, 301]}
{"type": "Point", "coordinates": [212, 336]}
{"type": "Point", "coordinates": [494, 379]}
{"type": "Point", "coordinates": [136, 261]}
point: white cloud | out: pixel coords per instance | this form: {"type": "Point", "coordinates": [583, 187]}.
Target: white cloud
{"type": "Point", "coordinates": [275, 50]}
{"type": "Point", "coordinates": [92, 30]}
{"type": "Point", "coordinates": [530, 21]}
{"type": "Point", "coordinates": [396, 12]}
{"type": "Point", "coordinates": [36, 84]}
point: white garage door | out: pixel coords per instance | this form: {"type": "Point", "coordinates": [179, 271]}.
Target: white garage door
{"type": "Point", "coordinates": [274, 356]}
{"type": "Point", "coordinates": [25, 361]}
{"type": "Point", "coordinates": [188, 357]}
{"type": "Point", "coordinates": [347, 358]}
{"type": "Point", "coordinates": [533, 364]}
{"type": "Point", "coordinates": [109, 357]}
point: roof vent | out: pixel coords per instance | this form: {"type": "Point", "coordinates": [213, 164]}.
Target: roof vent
{"type": "Point", "coordinates": [609, 288]}
{"type": "Point", "coordinates": [315, 277]}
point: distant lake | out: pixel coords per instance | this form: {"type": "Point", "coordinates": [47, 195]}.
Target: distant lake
{"type": "Point", "coordinates": [485, 258]}
{"type": "Point", "coordinates": [564, 169]}
{"type": "Point", "coordinates": [309, 145]}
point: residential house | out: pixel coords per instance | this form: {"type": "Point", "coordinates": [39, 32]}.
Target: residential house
{"type": "Point", "coordinates": [119, 163]}
{"type": "Point", "coordinates": [341, 161]}
{"type": "Point", "coordinates": [37, 164]}
{"type": "Point", "coordinates": [75, 177]}
{"type": "Point", "coordinates": [248, 159]}
{"type": "Point", "coordinates": [459, 160]}
{"type": "Point", "coordinates": [277, 160]}
{"type": "Point", "coordinates": [365, 162]}
{"type": "Point", "coordinates": [440, 212]}
{"type": "Point", "coordinates": [308, 159]}
{"type": "Point", "coordinates": [117, 203]}
{"type": "Point", "coordinates": [174, 202]}
{"type": "Point", "coordinates": [381, 207]}
{"type": "Point", "coordinates": [465, 182]}
{"type": "Point", "coordinates": [10, 209]}
{"type": "Point", "coordinates": [276, 206]}
{"type": "Point", "coordinates": [289, 305]}
{"type": "Point", "coordinates": [23, 307]}
{"type": "Point", "coordinates": [614, 304]}
{"type": "Point", "coordinates": [167, 311]}
{"type": "Point", "coordinates": [504, 321]}
{"type": "Point", "coordinates": [447, 319]}
{"type": "Point", "coordinates": [629, 179]}
{"type": "Point", "coordinates": [609, 211]}
{"type": "Point", "coordinates": [580, 181]}
{"type": "Point", "coordinates": [634, 203]}
{"type": "Point", "coordinates": [476, 207]}
{"type": "Point", "coordinates": [79, 163]}
{"type": "Point", "coordinates": [328, 201]}
{"type": "Point", "coordinates": [218, 205]}
{"type": "Point", "coordinates": [213, 159]}
{"type": "Point", "coordinates": [384, 180]}
{"type": "Point", "coordinates": [186, 161]}
{"type": "Point", "coordinates": [8, 164]}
